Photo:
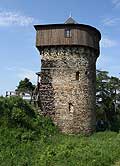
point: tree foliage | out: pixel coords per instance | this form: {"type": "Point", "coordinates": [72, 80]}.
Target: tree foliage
{"type": "Point", "coordinates": [18, 113]}
{"type": "Point", "coordinates": [25, 86]}
{"type": "Point", "coordinates": [108, 99]}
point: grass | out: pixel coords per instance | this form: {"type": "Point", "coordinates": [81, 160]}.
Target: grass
{"type": "Point", "coordinates": [39, 143]}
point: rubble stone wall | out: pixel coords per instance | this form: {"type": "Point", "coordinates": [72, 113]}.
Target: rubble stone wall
{"type": "Point", "coordinates": [67, 89]}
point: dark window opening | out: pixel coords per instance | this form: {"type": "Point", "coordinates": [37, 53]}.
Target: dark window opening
{"type": "Point", "coordinates": [86, 73]}
{"type": "Point", "coordinates": [68, 33]}
{"type": "Point", "coordinates": [70, 107]}
{"type": "Point", "coordinates": [77, 75]}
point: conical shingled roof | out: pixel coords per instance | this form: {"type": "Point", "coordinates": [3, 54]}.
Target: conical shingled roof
{"type": "Point", "coordinates": [70, 20]}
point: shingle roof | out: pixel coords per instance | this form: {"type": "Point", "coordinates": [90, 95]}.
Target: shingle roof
{"type": "Point", "coordinates": [70, 20]}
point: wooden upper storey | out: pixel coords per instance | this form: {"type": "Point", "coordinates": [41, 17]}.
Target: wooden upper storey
{"type": "Point", "coordinates": [67, 35]}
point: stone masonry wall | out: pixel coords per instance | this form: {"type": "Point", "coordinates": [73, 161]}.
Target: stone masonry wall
{"type": "Point", "coordinates": [67, 89]}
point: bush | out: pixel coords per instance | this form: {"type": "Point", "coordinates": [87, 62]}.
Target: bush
{"type": "Point", "coordinates": [16, 112]}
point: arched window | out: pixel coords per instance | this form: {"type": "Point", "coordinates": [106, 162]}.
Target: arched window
{"type": "Point", "coordinates": [77, 75]}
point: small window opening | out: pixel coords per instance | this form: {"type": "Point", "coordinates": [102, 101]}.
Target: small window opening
{"type": "Point", "coordinates": [71, 107]}
{"type": "Point", "coordinates": [77, 75]}
{"type": "Point", "coordinates": [86, 73]}
{"type": "Point", "coordinates": [68, 33]}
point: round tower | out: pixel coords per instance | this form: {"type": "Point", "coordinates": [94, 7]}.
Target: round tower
{"type": "Point", "coordinates": [67, 89]}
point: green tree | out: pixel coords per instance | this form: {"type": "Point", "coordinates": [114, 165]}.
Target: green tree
{"type": "Point", "coordinates": [108, 98]}
{"type": "Point", "coordinates": [102, 80]}
{"type": "Point", "coordinates": [25, 86]}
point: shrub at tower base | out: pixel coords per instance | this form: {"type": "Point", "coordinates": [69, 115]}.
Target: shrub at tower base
{"type": "Point", "coordinates": [17, 113]}
{"type": "Point", "coordinates": [27, 139]}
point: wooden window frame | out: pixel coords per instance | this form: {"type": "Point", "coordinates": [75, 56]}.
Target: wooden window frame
{"type": "Point", "coordinates": [68, 33]}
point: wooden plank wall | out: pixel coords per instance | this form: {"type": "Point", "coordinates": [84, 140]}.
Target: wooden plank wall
{"type": "Point", "coordinates": [55, 36]}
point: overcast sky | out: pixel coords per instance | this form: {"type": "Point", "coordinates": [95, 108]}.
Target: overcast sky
{"type": "Point", "coordinates": [20, 58]}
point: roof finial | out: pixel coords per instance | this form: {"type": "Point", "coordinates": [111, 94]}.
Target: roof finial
{"type": "Point", "coordinates": [70, 14]}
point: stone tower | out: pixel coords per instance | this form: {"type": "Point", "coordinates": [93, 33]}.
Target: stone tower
{"type": "Point", "coordinates": [67, 88]}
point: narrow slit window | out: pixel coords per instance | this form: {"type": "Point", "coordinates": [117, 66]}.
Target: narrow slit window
{"type": "Point", "coordinates": [68, 33]}
{"type": "Point", "coordinates": [77, 75]}
{"type": "Point", "coordinates": [70, 107]}
{"type": "Point", "coordinates": [86, 73]}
